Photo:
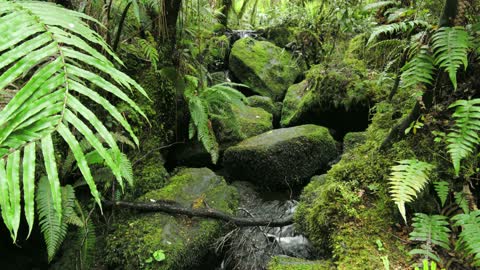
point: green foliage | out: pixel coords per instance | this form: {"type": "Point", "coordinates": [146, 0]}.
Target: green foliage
{"type": "Point", "coordinates": [379, 4]}
{"type": "Point", "coordinates": [469, 239]}
{"type": "Point", "coordinates": [463, 138]}
{"type": "Point", "coordinates": [451, 46]}
{"type": "Point", "coordinates": [462, 201]}
{"type": "Point", "coordinates": [406, 180]}
{"type": "Point", "coordinates": [52, 225]}
{"type": "Point", "coordinates": [426, 266]}
{"type": "Point", "coordinates": [419, 70]}
{"type": "Point", "coordinates": [442, 189]}
{"type": "Point", "coordinates": [50, 51]}
{"type": "Point", "coordinates": [204, 102]}
{"type": "Point", "coordinates": [431, 230]}
{"type": "Point", "coordinates": [389, 29]}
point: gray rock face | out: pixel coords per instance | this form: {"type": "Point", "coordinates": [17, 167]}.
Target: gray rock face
{"type": "Point", "coordinates": [281, 158]}
{"type": "Point", "coordinates": [266, 68]}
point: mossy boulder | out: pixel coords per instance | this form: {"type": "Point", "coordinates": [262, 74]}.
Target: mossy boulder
{"type": "Point", "coordinates": [281, 158]}
{"type": "Point", "coordinates": [240, 123]}
{"type": "Point", "coordinates": [266, 103]}
{"type": "Point", "coordinates": [290, 263]}
{"type": "Point", "coordinates": [184, 241]}
{"type": "Point", "coordinates": [337, 95]}
{"type": "Point", "coordinates": [266, 68]}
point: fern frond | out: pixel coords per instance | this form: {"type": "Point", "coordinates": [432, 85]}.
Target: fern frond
{"type": "Point", "coordinates": [469, 239]}
{"type": "Point", "coordinates": [149, 51]}
{"type": "Point", "coordinates": [431, 230]}
{"type": "Point", "coordinates": [419, 70]}
{"type": "Point", "coordinates": [450, 45]}
{"type": "Point", "coordinates": [378, 5]}
{"type": "Point", "coordinates": [461, 200]}
{"type": "Point", "coordinates": [406, 180]}
{"type": "Point", "coordinates": [51, 225]}
{"type": "Point", "coordinates": [389, 29]}
{"type": "Point", "coordinates": [48, 50]}
{"type": "Point", "coordinates": [463, 138]}
{"type": "Point", "coordinates": [442, 189]}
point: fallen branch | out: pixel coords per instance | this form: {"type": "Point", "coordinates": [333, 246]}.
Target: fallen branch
{"type": "Point", "coordinates": [176, 209]}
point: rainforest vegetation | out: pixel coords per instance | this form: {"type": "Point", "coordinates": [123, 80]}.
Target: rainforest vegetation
{"type": "Point", "coordinates": [239, 134]}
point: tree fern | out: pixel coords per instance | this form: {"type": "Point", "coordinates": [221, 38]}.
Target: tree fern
{"type": "Point", "coordinates": [442, 189]}
{"type": "Point", "coordinates": [451, 46]}
{"type": "Point", "coordinates": [430, 231]}
{"type": "Point", "coordinates": [406, 180]}
{"type": "Point", "coordinates": [47, 49]}
{"type": "Point", "coordinates": [469, 239]}
{"type": "Point", "coordinates": [463, 138]}
{"type": "Point", "coordinates": [419, 70]}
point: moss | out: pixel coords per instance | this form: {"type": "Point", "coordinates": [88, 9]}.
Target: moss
{"type": "Point", "coordinates": [282, 157]}
{"type": "Point", "coordinates": [183, 240]}
{"type": "Point", "coordinates": [215, 51]}
{"type": "Point", "coordinates": [340, 86]}
{"type": "Point", "coordinates": [244, 122]}
{"type": "Point", "coordinates": [289, 263]}
{"type": "Point", "coordinates": [352, 140]}
{"type": "Point", "coordinates": [280, 35]}
{"type": "Point", "coordinates": [266, 68]}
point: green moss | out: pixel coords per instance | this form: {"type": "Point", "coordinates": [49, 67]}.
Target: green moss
{"type": "Point", "coordinates": [280, 35]}
{"type": "Point", "coordinates": [289, 263]}
{"type": "Point", "coordinates": [344, 85]}
{"type": "Point", "coordinates": [183, 240]}
{"type": "Point", "coordinates": [352, 140]}
{"type": "Point", "coordinates": [281, 157]}
{"type": "Point", "coordinates": [243, 122]}
{"type": "Point", "coordinates": [266, 68]}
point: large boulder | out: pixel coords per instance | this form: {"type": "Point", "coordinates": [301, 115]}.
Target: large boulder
{"type": "Point", "coordinates": [266, 103]}
{"type": "Point", "coordinates": [267, 69]}
{"type": "Point", "coordinates": [281, 158]}
{"type": "Point", "coordinates": [240, 123]}
{"type": "Point", "coordinates": [184, 241]}
{"type": "Point", "coordinates": [336, 95]}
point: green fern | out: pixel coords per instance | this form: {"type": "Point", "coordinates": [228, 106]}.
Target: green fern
{"type": "Point", "coordinates": [406, 180]}
{"type": "Point", "coordinates": [392, 28]}
{"type": "Point", "coordinates": [419, 70]}
{"type": "Point", "coordinates": [469, 239]}
{"type": "Point", "coordinates": [45, 48]}
{"type": "Point", "coordinates": [463, 138]}
{"type": "Point", "coordinates": [52, 224]}
{"type": "Point", "coordinates": [462, 201]}
{"type": "Point", "coordinates": [149, 50]}
{"type": "Point", "coordinates": [204, 102]}
{"type": "Point", "coordinates": [442, 189]}
{"type": "Point", "coordinates": [431, 231]}
{"type": "Point", "coordinates": [450, 45]}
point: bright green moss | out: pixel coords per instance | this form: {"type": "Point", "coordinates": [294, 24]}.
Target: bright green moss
{"type": "Point", "coordinates": [289, 263]}
{"type": "Point", "coordinates": [266, 68]}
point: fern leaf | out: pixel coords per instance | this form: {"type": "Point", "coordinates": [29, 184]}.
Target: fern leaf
{"type": "Point", "coordinates": [442, 189]}
{"type": "Point", "coordinates": [463, 138]}
{"type": "Point", "coordinates": [469, 239]}
{"type": "Point", "coordinates": [48, 50]}
{"type": "Point", "coordinates": [451, 46]}
{"type": "Point", "coordinates": [29, 185]}
{"type": "Point", "coordinates": [54, 231]}
{"type": "Point", "coordinates": [406, 180]}
{"type": "Point", "coordinates": [419, 70]}
{"type": "Point", "coordinates": [462, 201]}
{"type": "Point", "coordinates": [431, 230]}
{"type": "Point", "coordinates": [395, 27]}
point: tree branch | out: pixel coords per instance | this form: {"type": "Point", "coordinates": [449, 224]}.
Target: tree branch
{"type": "Point", "coordinates": [176, 209]}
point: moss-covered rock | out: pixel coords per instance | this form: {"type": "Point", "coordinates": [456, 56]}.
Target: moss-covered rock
{"type": "Point", "coordinates": [243, 122]}
{"type": "Point", "coordinates": [280, 35]}
{"type": "Point", "coordinates": [215, 52]}
{"type": "Point", "coordinates": [183, 240]}
{"type": "Point", "coordinates": [281, 158]}
{"type": "Point", "coordinates": [335, 95]}
{"type": "Point", "coordinates": [266, 68]}
{"type": "Point", "coordinates": [353, 139]}
{"type": "Point", "coordinates": [290, 263]}
{"type": "Point", "coordinates": [266, 103]}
